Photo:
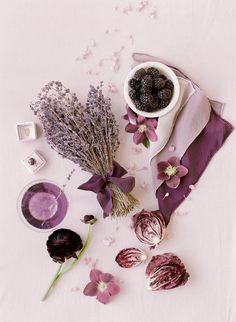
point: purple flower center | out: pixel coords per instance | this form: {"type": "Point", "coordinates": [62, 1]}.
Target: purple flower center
{"type": "Point", "coordinates": [142, 128]}
{"type": "Point", "coordinates": [170, 171]}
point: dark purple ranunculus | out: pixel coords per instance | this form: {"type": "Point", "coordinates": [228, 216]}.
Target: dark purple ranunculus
{"type": "Point", "coordinates": [63, 244]}
{"type": "Point", "coordinates": [89, 219]}
{"type": "Point", "coordinates": [165, 271]}
{"type": "Point", "coordinates": [149, 227]}
{"type": "Point", "coordinates": [130, 257]}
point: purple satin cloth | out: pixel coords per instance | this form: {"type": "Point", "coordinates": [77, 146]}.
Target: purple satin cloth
{"type": "Point", "coordinates": [196, 159]}
{"type": "Point", "coordinates": [100, 185]}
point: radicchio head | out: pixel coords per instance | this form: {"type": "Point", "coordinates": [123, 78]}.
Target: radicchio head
{"type": "Point", "coordinates": [165, 271]}
{"type": "Point", "coordinates": [130, 257]}
{"type": "Point", "coordinates": [149, 227]}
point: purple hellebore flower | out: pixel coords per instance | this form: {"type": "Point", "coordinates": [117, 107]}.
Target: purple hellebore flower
{"type": "Point", "coordinates": [102, 286]}
{"type": "Point", "coordinates": [141, 127]}
{"type": "Point", "coordinates": [171, 171]}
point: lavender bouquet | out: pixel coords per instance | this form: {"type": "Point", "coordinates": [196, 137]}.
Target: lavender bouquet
{"type": "Point", "coordinates": [88, 136]}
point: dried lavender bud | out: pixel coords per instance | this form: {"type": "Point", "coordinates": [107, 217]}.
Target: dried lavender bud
{"type": "Point", "coordinates": [130, 257]}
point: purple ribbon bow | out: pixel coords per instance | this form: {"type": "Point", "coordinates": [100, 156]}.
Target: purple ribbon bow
{"type": "Point", "coordinates": [99, 185]}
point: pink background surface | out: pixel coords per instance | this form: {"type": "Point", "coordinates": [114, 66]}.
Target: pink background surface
{"type": "Point", "coordinates": [40, 41]}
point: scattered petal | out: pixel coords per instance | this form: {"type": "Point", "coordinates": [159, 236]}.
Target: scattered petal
{"type": "Point", "coordinates": [192, 187]}
{"type": "Point", "coordinates": [108, 241]}
{"type": "Point", "coordinates": [171, 148]}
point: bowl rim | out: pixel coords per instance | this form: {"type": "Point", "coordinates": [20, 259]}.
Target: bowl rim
{"type": "Point", "coordinates": [169, 73]}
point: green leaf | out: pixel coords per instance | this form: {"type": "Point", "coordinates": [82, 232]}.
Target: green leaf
{"type": "Point", "coordinates": [146, 143]}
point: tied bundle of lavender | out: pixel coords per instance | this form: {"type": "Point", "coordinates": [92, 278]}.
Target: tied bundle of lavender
{"type": "Point", "coordinates": [88, 136]}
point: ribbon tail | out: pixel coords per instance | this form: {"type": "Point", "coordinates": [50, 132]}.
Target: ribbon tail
{"type": "Point", "coordinates": [105, 200]}
{"type": "Point", "coordinates": [125, 184]}
{"type": "Point", "coordinates": [117, 170]}
{"type": "Point", "coordinates": [95, 184]}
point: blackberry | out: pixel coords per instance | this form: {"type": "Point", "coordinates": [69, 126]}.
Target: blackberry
{"type": "Point", "coordinates": [138, 105]}
{"type": "Point", "coordinates": [140, 74]}
{"type": "Point", "coordinates": [169, 84]}
{"type": "Point", "coordinates": [165, 94]}
{"type": "Point", "coordinates": [134, 84]}
{"type": "Point", "coordinates": [145, 90]}
{"type": "Point", "coordinates": [159, 83]}
{"type": "Point", "coordinates": [162, 76]}
{"type": "Point", "coordinates": [146, 99]}
{"type": "Point", "coordinates": [153, 72]}
{"type": "Point", "coordinates": [133, 94]}
{"type": "Point", "coordinates": [147, 81]}
{"type": "Point", "coordinates": [163, 103]}
{"type": "Point", "coordinates": [155, 103]}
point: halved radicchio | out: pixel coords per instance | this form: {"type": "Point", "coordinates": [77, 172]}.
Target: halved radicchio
{"type": "Point", "coordinates": [130, 257]}
{"type": "Point", "coordinates": [165, 271]}
{"type": "Point", "coordinates": [149, 227]}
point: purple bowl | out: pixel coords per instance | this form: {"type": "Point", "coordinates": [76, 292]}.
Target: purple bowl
{"type": "Point", "coordinates": [43, 205]}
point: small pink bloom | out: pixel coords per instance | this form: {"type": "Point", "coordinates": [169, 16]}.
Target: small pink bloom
{"type": "Point", "coordinates": [171, 171]}
{"type": "Point", "coordinates": [101, 285]}
{"type": "Point", "coordinates": [142, 127]}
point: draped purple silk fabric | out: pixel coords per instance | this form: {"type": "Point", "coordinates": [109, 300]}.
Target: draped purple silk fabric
{"type": "Point", "coordinates": [199, 153]}
{"type": "Point", "coordinates": [196, 159]}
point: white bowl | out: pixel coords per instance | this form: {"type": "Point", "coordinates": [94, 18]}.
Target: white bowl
{"type": "Point", "coordinates": [165, 70]}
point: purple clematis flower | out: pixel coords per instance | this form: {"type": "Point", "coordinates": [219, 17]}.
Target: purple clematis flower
{"type": "Point", "coordinates": [102, 286]}
{"type": "Point", "coordinates": [171, 171]}
{"type": "Point", "coordinates": [142, 127]}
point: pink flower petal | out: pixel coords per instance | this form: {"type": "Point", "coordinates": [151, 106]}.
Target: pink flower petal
{"type": "Point", "coordinates": [140, 119]}
{"type": "Point", "coordinates": [174, 161]}
{"type": "Point", "coordinates": [113, 288]}
{"type": "Point", "coordinates": [161, 166]}
{"type": "Point", "coordinates": [138, 137]}
{"type": "Point", "coordinates": [106, 277]}
{"type": "Point", "coordinates": [103, 297]}
{"type": "Point", "coordinates": [132, 116]}
{"type": "Point", "coordinates": [162, 176]}
{"type": "Point", "coordinates": [173, 182]}
{"type": "Point", "coordinates": [95, 275]}
{"type": "Point", "coordinates": [181, 171]}
{"type": "Point", "coordinates": [91, 289]}
{"type": "Point", "coordinates": [151, 134]}
{"type": "Point", "coordinates": [151, 123]}
{"type": "Point", "coordinates": [131, 128]}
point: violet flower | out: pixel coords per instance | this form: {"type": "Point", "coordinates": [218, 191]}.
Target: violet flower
{"type": "Point", "coordinates": [101, 285]}
{"type": "Point", "coordinates": [165, 271]}
{"type": "Point", "coordinates": [142, 127]}
{"type": "Point", "coordinates": [171, 171]}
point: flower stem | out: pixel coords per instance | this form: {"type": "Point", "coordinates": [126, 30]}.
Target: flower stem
{"type": "Point", "coordinates": [53, 282]}
{"type": "Point", "coordinates": [80, 253]}
{"type": "Point", "coordinates": [61, 272]}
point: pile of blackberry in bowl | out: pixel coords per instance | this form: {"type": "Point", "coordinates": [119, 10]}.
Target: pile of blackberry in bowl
{"type": "Point", "coordinates": [150, 90]}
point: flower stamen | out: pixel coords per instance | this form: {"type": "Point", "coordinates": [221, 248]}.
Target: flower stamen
{"type": "Point", "coordinates": [170, 171]}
